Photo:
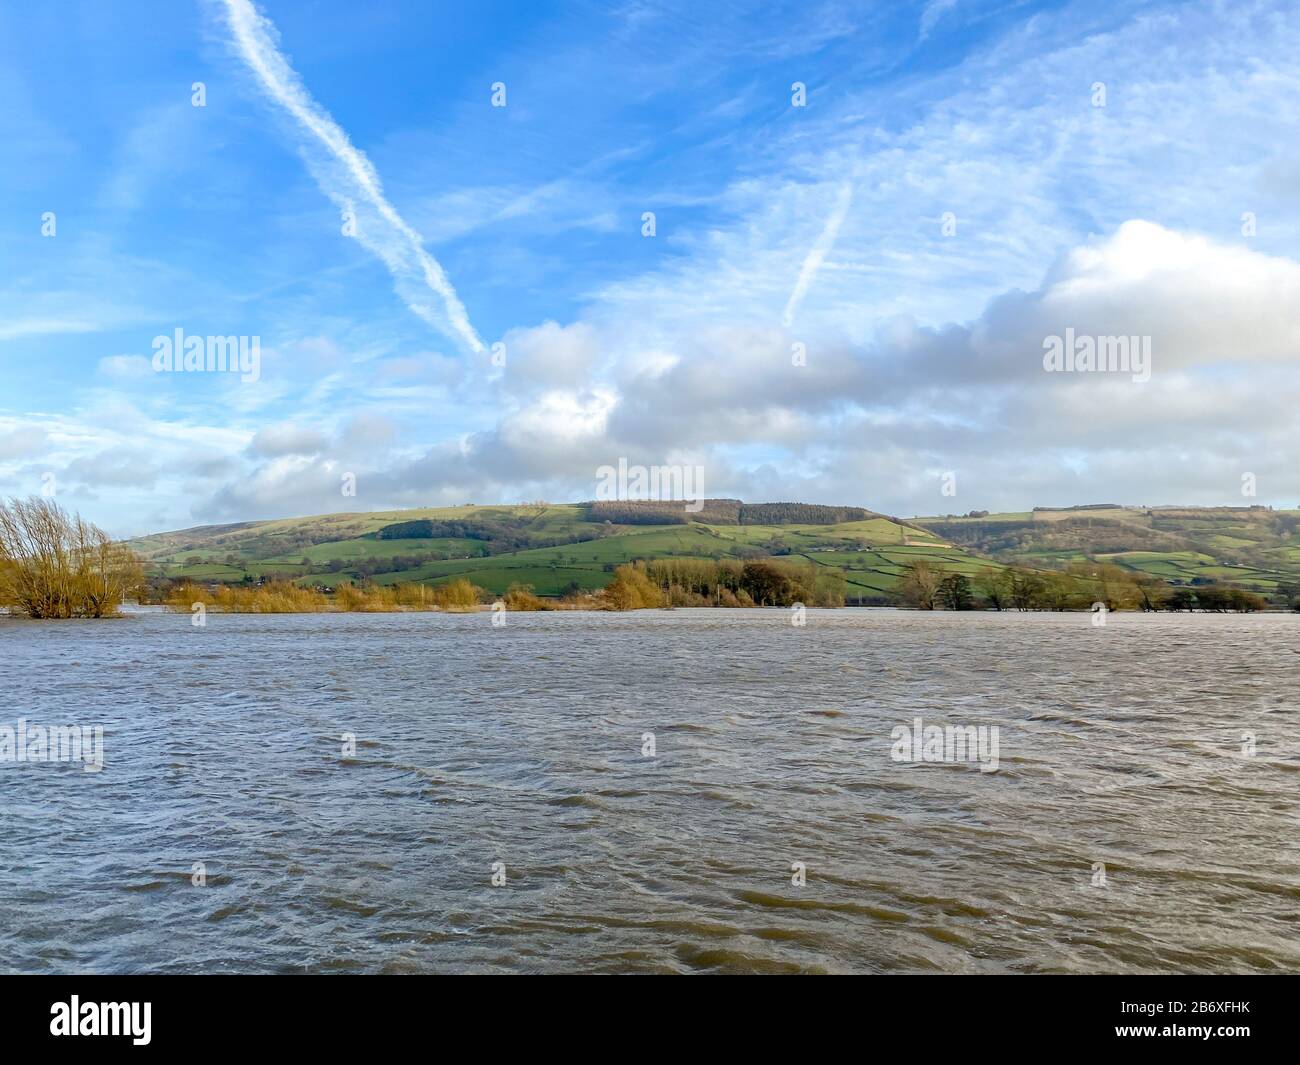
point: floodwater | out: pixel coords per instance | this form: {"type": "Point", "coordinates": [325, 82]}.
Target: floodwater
{"type": "Point", "coordinates": [1142, 816]}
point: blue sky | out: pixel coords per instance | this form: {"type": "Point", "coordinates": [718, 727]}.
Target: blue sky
{"type": "Point", "coordinates": [775, 225]}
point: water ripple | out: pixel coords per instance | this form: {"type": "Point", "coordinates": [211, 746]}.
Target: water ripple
{"type": "Point", "coordinates": [1120, 746]}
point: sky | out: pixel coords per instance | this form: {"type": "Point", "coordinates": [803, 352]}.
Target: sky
{"type": "Point", "coordinates": [814, 249]}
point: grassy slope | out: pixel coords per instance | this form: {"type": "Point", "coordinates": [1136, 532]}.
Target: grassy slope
{"type": "Point", "coordinates": [871, 552]}
{"type": "Point", "coordinates": [1256, 549]}
{"type": "Point", "coordinates": [1250, 548]}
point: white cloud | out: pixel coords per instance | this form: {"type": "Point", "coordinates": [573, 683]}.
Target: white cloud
{"type": "Point", "coordinates": [125, 366]}
{"type": "Point", "coordinates": [279, 440]}
{"type": "Point", "coordinates": [21, 442]}
{"type": "Point", "coordinates": [114, 468]}
{"type": "Point", "coordinates": [869, 423]}
{"type": "Point", "coordinates": [932, 13]}
{"type": "Point", "coordinates": [550, 355]}
{"type": "Point", "coordinates": [21, 328]}
{"type": "Point", "coordinates": [923, 351]}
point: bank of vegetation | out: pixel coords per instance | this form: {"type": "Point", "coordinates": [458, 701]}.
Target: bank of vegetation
{"type": "Point", "coordinates": [685, 582]}
{"type": "Point", "coordinates": [55, 565]}
{"type": "Point", "coordinates": [283, 597]}
{"type": "Point", "coordinates": [1081, 586]}
{"type": "Point", "coordinates": [635, 586]}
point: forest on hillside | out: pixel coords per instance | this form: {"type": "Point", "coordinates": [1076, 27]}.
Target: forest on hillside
{"type": "Point", "coordinates": [722, 512]}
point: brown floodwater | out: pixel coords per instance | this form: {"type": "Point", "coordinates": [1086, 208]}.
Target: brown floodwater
{"type": "Point", "coordinates": [1142, 816]}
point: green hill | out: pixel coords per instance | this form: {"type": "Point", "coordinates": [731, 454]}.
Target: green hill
{"type": "Point", "coordinates": [553, 547]}
{"type": "Point", "coordinates": [562, 547]}
{"type": "Point", "coordinates": [1253, 547]}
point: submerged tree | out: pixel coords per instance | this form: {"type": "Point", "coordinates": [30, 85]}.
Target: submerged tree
{"type": "Point", "coordinates": [955, 592]}
{"type": "Point", "coordinates": [919, 586]}
{"type": "Point", "coordinates": [992, 586]}
{"type": "Point", "coordinates": [631, 589]}
{"type": "Point", "coordinates": [767, 584]}
{"type": "Point", "coordinates": [1024, 587]}
{"type": "Point", "coordinates": [54, 565]}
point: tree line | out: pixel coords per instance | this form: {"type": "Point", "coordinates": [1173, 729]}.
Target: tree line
{"type": "Point", "coordinates": [928, 586]}
{"type": "Point", "coordinates": [743, 583]}
{"type": "Point", "coordinates": [721, 512]}
{"type": "Point", "coordinates": [498, 536]}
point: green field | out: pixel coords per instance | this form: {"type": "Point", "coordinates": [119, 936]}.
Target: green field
{"type": "Point", "coordinates": [1254, 547]}
{"type": "Point", "coordinates": [553, 547]}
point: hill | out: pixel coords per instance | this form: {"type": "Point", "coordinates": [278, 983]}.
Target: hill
{"type": "Point", "coordinates": [1253, 547]}
{"type": "Point", "coordinates": [557, 548]}
{"type": "Point", "coordinates": [553, 547]}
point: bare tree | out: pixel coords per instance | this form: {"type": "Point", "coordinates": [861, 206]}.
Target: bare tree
{"type": "Point", "coordinates": [54, 565]}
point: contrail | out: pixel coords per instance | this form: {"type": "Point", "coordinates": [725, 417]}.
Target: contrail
{"type": "Point", "coordinates": [348, 178]}
{"type": "Point", "coordinates": [813, 261]}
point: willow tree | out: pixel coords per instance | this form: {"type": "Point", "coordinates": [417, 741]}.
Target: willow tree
{"type": "Point", "coordinates": [919, 585]}
{"type": "Point", "coordinates": [55, 565]}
